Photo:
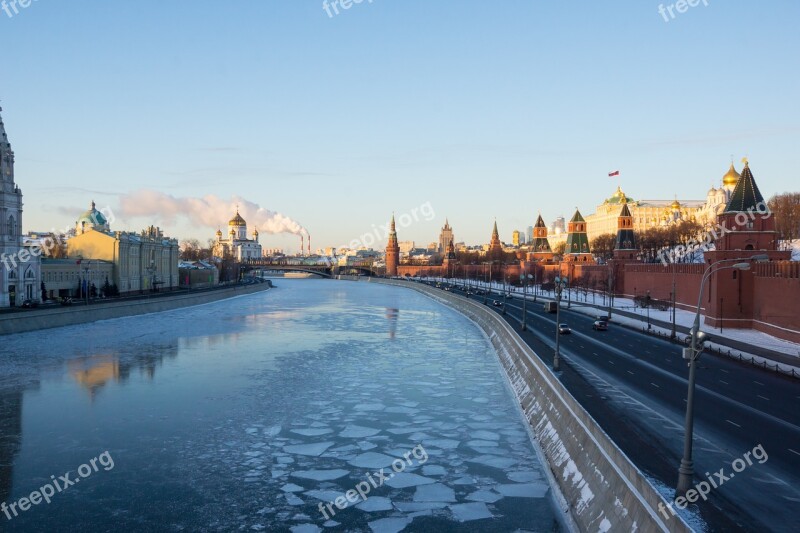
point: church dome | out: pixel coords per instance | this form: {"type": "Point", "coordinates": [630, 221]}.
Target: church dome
{"type": "Point", "coordinates": [676, 204]}
{"type": "Point", "coordinates": [237, 220]}
{"type": "Point", "coordinates": [92, 217]}
{"type": "Point", "coordinates": [731, 178]}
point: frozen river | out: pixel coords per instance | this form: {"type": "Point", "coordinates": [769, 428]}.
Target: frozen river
{"type": "Point", "coordinates": [260, 413]}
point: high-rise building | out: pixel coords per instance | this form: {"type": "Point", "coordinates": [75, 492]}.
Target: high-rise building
{"type": "Point", "coordinates": [529, 235]}
{"type": "Point", "coordinates": [445, 237]}
{"type": "Point", "coordinates": [20, 274]}
{"type": "Point", "coordinates": [515, 237]}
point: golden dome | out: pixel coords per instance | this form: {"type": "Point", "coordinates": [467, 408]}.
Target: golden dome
{"type": "Point", "coordinates": [676, 204]}
{"type": "Point", "coordinates": [731, 178]}
{"type": "Point", "coordinates": [237, 220]}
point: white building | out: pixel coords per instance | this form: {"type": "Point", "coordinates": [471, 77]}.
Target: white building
{"type": "Point", "coordinates": [20, 274]}
{"type": "Point", "coordinates": [237, 245]}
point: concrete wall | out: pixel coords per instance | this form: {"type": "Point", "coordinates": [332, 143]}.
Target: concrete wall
{"type": "Point", "coordinates": [605, 491]}
{"type": "Point", "coordinates": [66, 316]}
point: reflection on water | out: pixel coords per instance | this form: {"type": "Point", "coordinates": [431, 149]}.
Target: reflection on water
{"type": "Point", "coordinates": [392, 315]}
{"type": "Point", "coordinates": [233, 416]}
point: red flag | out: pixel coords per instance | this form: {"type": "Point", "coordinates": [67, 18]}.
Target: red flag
{"type": "Point", "coordinates": [612, 174]}
{"type": "Point", "coordinates": [78, 262]}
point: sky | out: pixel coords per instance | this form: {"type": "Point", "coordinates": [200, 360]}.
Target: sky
{"type": "Point", "coordinates": [172, 113]}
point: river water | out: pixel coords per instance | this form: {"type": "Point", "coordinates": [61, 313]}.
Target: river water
{"type": "Point", "coordinates": [257, 413]}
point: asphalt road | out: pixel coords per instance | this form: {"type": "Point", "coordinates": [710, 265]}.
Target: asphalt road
{"type": "Point", "coordinates": [635, 386]}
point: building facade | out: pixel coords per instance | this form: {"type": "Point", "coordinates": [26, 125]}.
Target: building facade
{"type": "Point", "coordinates": [646, 214]}
{"type": "Point", "coordinates": [142, 262]}
{"type": "Point", "coordinates": [20, 266]}
{"type": "Point", "coordinates": [237, 245]}
{"type": "Point", "coordinates": [68, 278]}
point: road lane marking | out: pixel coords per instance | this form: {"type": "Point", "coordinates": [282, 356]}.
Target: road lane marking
{"type": "Point", "coordinates": [654, 385]}
{"type": "Point", "coordinates": [725, 382]}
{"type": "Point", "coordinates": [762, 397]}
{"type": "Point", "coordinates": [758, 383]}
{"type": "Point", "coordinates": [733, 423]}
{"type": "Point", "coordinates": [794, 452]}
{"type": "Point", "coordinates": [612, 362]}
{"type": "Point", "coordinates": [723, 370]}
{"type": "Point", "coordinates": [631, 373]}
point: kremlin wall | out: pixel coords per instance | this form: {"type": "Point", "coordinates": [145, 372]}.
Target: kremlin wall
{"type": "Point", "coordinates": [764, 298]}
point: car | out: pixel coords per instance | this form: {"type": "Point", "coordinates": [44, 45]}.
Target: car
{"type": "Point", "coordinates": [30, 304]}
{"type": "Point", "coordinates": [497, 303]}
{"type": "Point", "coordinates": [600, 325]}
{"type": "Point", "coordinates": [564, 329]}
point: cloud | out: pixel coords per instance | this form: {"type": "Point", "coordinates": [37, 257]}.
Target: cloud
{"type": "Point", "coordinates": [209, 211]}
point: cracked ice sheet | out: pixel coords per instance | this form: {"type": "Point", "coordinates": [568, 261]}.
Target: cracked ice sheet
{"type": "Point", "coordinates": [358, 432]}
{"type": "Point", "coordinates": [404, 480]}
{"type": "Point", "coordinates": [314, 450]}
{"type": "Point", "coordinates": [465, 512]}
{"type": "Point", "coordinates": [372, 460]}
{"type": "Point", "coordinates": [389, 525]}
{"type": "Point", "coordinates": [319, 475]}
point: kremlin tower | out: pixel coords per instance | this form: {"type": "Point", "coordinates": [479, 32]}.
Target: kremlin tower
{"type": "Point", "coordinates": [540, 245]}
{"type": "Point", "coordinates": [495, 251]}
{"type": "Point", "coordinates": [392, 251]}
{"type": "Point", "coordinates": [625, 248]}
{"type": "Point", "coordinates": [577, 248]}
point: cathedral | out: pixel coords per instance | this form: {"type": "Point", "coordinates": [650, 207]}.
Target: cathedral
{"type": "Point", "coordinates": [237, 245]}
{"type": "Point", "coordinates": [20, 274]}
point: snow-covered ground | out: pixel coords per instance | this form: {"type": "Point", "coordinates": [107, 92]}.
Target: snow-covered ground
{"type": "Point", "coordinates": [256, 413]}
{"type": "Point", "coordinates": [795, 247]}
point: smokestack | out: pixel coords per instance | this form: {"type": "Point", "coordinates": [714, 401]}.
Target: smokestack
{"type": "Point", "coordinates": [302, 244]}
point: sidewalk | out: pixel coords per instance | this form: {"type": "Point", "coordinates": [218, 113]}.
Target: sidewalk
{"type": "Point", "coordinates": [745, 345]}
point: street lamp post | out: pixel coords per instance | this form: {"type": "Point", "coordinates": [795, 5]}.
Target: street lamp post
{"type": "Point", "coordinates": [525, 301]}
{"type": "Point", "coordinates": [560, 283]}
{"type": "Point", "coordinates": [648, 311]}
{"type": "Point", "coordinates": [505, 288]}
{"type": "Point", "coordinates": [686, 469]}
{"type": "Point", "coordinates": [673, 334]}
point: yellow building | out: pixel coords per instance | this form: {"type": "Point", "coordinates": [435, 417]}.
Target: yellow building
{"type": "Point", "coordinates": [654, 213]}
{"type": "Point", "coordinates": [142, 262]}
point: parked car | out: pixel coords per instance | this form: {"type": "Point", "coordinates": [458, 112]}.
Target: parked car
{"type": "Point", "coordinates": [564, 329]}
{"type": "Point", "coordinates": [600, 325]}
{"type": "Point", "coordinates": [30, 304]}
{"type": "Point", "coordinates": [66, 301]}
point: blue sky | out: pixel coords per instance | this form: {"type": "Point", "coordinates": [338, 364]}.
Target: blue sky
{"type": "Point", "coordinates": [484, 109]}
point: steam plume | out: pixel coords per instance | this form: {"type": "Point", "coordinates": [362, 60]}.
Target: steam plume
{"type": "Point", "coordinates": [209, 211]}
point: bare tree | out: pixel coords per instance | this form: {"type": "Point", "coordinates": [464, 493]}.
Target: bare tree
{"type": "Point", "coordinates": [786, 210]}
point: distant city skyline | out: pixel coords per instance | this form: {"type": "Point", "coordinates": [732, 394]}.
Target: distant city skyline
{"type": "Point", "coordinates": [483, 112]}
